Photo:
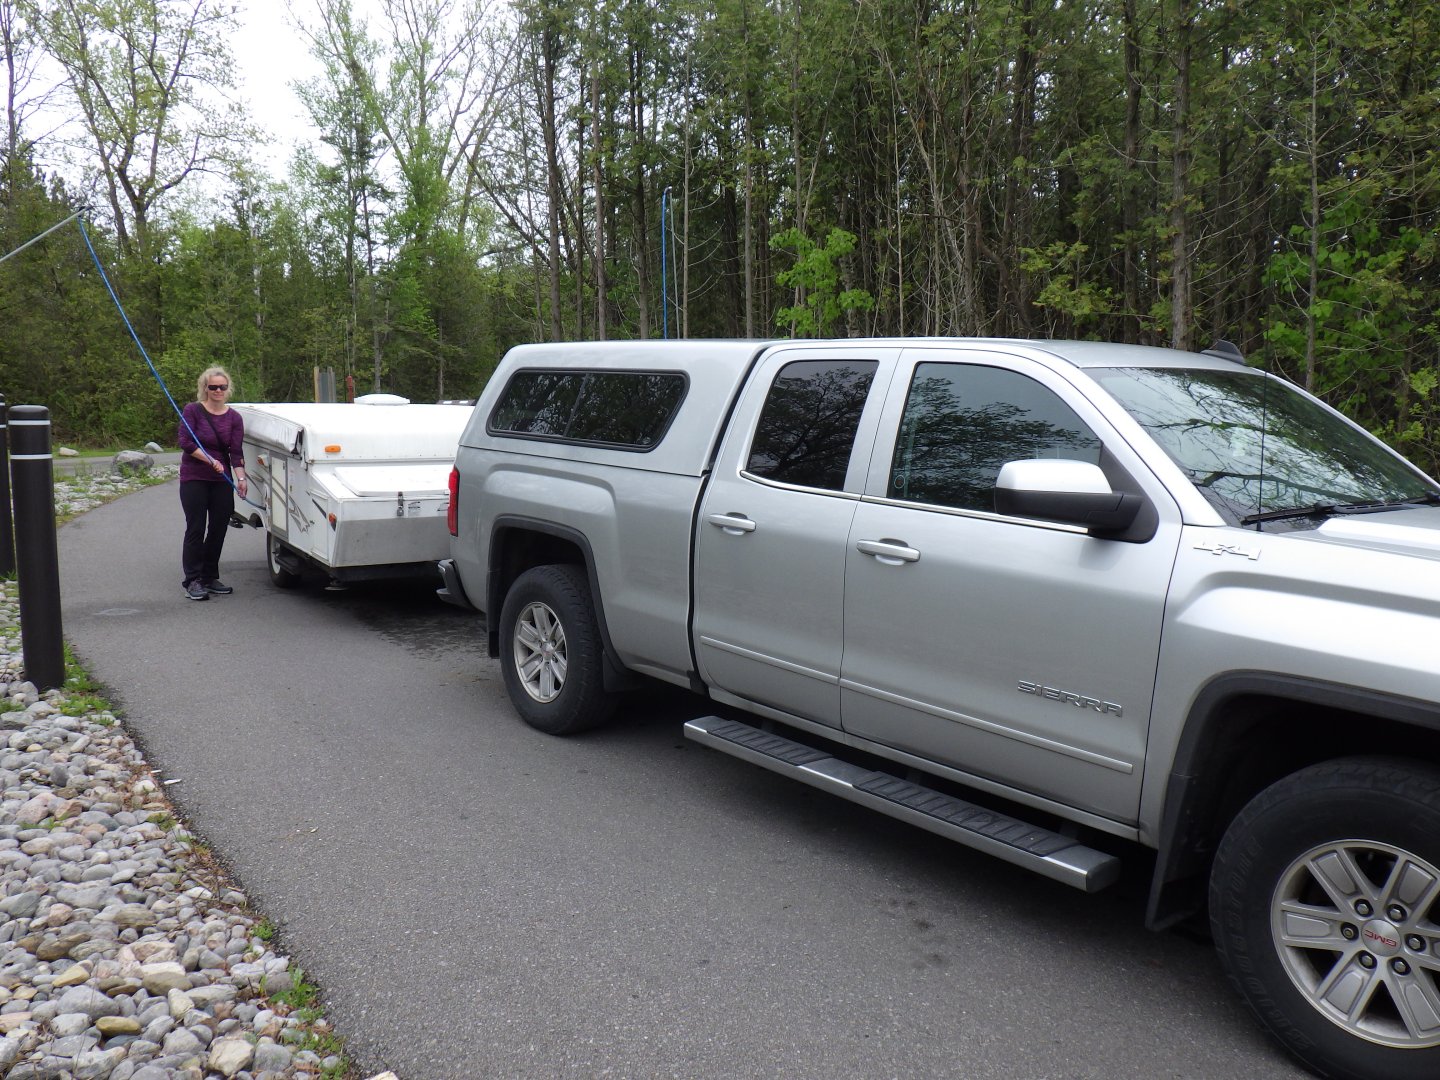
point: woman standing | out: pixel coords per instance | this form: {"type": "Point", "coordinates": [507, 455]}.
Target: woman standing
{"type": "Point", "coordinates": [211, 437]}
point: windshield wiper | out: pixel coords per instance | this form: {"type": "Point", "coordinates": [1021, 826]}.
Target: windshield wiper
{"type": "Point", "coordinates": [1324, 510]}
{"type": "Point", "coordinates": [1316, 510]}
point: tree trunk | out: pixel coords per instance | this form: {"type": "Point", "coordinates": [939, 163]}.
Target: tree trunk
{"type": "Point", "coordinates": [1182, 311]}
{"type": "Point", "coordinates": [598, 180]}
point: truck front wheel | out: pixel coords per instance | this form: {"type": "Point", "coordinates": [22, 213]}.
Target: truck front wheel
{"type": "Point", "coordinates": [551, 653]}
{"type": "Point", "coordinates": [1325, 905]}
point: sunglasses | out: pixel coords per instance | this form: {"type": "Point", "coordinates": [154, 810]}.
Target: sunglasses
{"type": "Point", "coordinates": [216, 386]}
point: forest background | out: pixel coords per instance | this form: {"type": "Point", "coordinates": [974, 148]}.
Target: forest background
{"type": "Point", "coordinates": [1170, 172]}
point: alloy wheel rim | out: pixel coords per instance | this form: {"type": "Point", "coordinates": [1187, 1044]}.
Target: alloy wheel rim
{"type": "Point", "coordinates": [1356, 924]}
{"type": "Point", "coordinates": [540, 652]}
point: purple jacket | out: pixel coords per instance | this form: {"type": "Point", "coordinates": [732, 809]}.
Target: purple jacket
{"type": "Point", "coordinates": [221, 436]}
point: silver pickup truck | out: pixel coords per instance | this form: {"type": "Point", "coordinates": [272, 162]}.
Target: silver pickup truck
{"type": "Point", "coordinates": [1053, 600]}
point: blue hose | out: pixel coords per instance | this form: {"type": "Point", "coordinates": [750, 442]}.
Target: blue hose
{"type": "Point", "coordinates": [80, 219]}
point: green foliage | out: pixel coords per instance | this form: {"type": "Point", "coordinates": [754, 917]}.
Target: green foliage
{"type": "Point", "coordinates": [301, 995]}
{"type": "Point", "coordinates": [80, 704]}
{"type": "Point", "coordinates": [816, 279]}
{"type": "Point", "coordinates": [886, 168]}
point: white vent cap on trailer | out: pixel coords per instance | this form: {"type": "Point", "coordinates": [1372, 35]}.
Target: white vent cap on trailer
{"type": "Point", "coordinates": [381, 399]}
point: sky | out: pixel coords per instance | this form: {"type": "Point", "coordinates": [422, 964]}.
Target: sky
{"type": "Point", "coordinates": [271, 56]}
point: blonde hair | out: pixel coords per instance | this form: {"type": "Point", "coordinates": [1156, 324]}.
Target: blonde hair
{"type": "Point", "coordinates": [205, 377]}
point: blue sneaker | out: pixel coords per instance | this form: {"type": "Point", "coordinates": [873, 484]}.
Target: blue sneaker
{"type": "Point", "coordinates": [218, 587]}
{"type": "Point", "coordinates": [195, 591]}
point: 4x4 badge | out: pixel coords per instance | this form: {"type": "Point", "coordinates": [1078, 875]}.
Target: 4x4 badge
{"type": "Point", "coordinates": [1229, 549]}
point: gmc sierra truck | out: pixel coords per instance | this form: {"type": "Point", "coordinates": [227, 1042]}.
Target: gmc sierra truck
{"type": "Point", "coordinates": [1058, 601]}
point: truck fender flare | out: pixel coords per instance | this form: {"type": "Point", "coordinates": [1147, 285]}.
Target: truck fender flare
{"type": "Point", "coordinates": [616, 675]}
{"type": "Point", "coordinates": [1194, 784]}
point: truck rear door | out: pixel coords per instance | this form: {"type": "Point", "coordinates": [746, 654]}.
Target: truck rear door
{"type": "Point", "coordinates": [774, 522]}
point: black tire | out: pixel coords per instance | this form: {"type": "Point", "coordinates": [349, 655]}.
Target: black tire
{"type": "Point", "coordinates": [551, 653]}
{"type": "Point", "coordinates": [1325, 907]}
{"type": "Point", "coordinates": [282, 578]}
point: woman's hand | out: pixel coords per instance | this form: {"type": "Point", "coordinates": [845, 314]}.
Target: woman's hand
{"type": "Point", "coordinates": [215, 464]}
{"type": "Point", "coordinates": [241, 486]}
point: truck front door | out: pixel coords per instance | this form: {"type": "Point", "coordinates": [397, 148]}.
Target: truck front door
{"type": "Point", "coordinates": [1012, 650]}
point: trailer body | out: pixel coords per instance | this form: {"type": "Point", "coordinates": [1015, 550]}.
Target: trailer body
{"type": "Point", "coordinates": [351, 491]}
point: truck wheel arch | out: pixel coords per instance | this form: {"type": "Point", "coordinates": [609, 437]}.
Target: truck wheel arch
{"type": "Point", "coordinates": [519, 543]}
{"type": "Point", "coordinates": [1234, 745]}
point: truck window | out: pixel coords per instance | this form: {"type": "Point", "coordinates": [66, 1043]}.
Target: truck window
{"type": "Point", "coordinates": [807, 427]}
{"type": "Point", "coordinates": [963, 421]}
{"type": "Point", "coordinates": [629, 410]}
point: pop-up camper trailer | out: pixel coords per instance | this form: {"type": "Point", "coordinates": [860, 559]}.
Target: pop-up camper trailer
{"type": "Point", "coordinates": [350, 491]}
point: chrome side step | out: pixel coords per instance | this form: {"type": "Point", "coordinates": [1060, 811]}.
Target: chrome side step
{"type": "Point", "coordinates": [1045, 852]}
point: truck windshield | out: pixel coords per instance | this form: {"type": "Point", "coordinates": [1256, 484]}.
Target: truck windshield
{"type": "Point", "coordinates": [1254, 445]}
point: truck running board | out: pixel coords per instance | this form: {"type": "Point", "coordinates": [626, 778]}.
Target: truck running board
{"type": "Point", "coordinates": [1028, 846]}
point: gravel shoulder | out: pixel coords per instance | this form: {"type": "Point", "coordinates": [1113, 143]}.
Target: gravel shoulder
{"type": "Point", "coordinates": [124, 952]}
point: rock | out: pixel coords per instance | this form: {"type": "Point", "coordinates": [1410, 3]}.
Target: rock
{"type": "Point", "coordinates": [270, 1056]}
{"type": "Point", "coordinates": [84, 999]}
{"type": "Point", "coordinates": [22, 905]}
{"type": "Point", "coordinates": [154, 448]}
{"type": "Point", "coordinates": [10, 1021]}
{"type": "Point", "coordinates": [10, 1052]}
{"type": "Point", "coordinates": [98, 1064]}
{"type": "Point", "coordinates": [83, 896]}
{"type": "Point", "coordinates": [67, 1024]}
{"type": "Point", "coordinates": [182, 1041]}
{"type": "Point", "coordinates": [180, 1003]}
{"type": "Point", "coordinates": [74, 975]}
{"type": "Point", "coordinates": [153, 952]}
{"type": "Point", "coordinates": [61, 946]}
{"type": "Point", "coordinates": [229, 1056]}
{"type": "Point", "coordinates": [134, 916]}
{"type": "Point", "coordinates": [131, 463]}
{"type": "Point", "coordinates": [66, 451]}
{"type": "Point", "coordinates": [118, 1025]}
{"type": "Point", "coordinates": [35, 810]}
{"type": "Point", "coordinates": [163, 977]}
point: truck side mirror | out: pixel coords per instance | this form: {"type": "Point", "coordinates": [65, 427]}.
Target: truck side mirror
{"type": "Point", "coordinates": [1066, 492]}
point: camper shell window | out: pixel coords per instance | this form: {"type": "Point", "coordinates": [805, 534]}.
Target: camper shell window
{"type": "Point", "coordinates": [627, 410]}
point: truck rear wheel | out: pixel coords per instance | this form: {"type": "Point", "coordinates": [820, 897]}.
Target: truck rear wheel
{"type": "Point", "coordinates": [551, 653]}
{"type": "Point", "coordinates": [1325, 906]}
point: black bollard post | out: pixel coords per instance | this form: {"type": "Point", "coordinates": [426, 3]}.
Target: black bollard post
{"type": "Point", "coordinates": [7, 531]}
{"type": "Point", "coordinates": [37, 559]}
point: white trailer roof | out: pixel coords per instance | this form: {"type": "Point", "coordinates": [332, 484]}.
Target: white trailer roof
{"type": "Point", "coordinates": [362, 432]}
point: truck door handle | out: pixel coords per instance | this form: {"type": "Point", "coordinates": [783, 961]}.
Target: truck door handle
{"type": "Point", "coordinates": [890, 552]}
{"type": "Point", "coordinates": [735, 524]}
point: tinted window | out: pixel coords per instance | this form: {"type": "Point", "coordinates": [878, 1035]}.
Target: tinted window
{"type": "Point", "coordinates": [807, 428]}
{"type": "Point", "coordinates": [963, 422]}
{"type": "Point", "coordinates": [616, 408]}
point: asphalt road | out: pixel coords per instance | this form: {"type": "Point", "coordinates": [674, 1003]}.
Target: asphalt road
{"type": "Point", "coordinates": [479, 900]}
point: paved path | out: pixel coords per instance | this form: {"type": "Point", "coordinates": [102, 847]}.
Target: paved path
{"type": "Point", "coordinates": [479, 900]}
{"type": "Point", "coordinates": [77, 466]}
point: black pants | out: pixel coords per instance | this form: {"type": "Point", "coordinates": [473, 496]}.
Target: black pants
{"type": "Point", "coordinates": [207, 505]}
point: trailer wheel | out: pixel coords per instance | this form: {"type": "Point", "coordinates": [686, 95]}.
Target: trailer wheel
{"type": "Point", "coordinates": [551, 653]}
{"type": "Point", "coordinates": [283, 578]}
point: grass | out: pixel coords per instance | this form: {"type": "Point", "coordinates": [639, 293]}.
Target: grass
{"type": "Point", "coordinates": [302, 1001]}
{"type": "Point", "coordinates": [80, 704]}
{"type": "Point", "coordinates": [301, 995]}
